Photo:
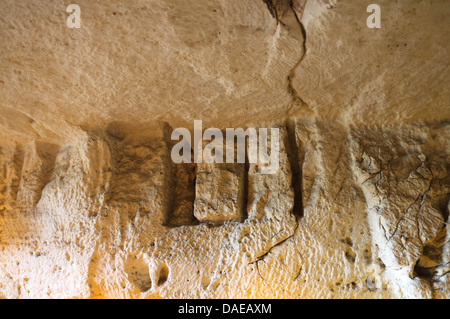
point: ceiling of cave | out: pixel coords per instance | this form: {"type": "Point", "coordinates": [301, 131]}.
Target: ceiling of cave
{"type": "Point", "coordinates": [228, 63]}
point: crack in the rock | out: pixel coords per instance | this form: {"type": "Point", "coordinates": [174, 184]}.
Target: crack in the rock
{"type": "Point", "coordinates": [272, 9]}
{"type": "Point", "coordinates": [421, 196]}
{"type": "Point", "coordinates": [422, 202]}
{"type": "Point", "coordinates": [291, 75]}
{"type": "Point", "coordinates": [372, 176]}
{"type": "Point", "coordinates": [264, 255]}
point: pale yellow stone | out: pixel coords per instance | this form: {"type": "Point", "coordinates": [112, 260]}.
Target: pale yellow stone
{"type": "Point", "coordinates": [92, 206]}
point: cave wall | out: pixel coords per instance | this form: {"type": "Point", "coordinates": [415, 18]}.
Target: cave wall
{"type": "Point", "coordinates": [92, 206]}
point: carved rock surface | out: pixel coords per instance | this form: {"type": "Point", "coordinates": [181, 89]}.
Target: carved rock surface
{"type": "Point", "coordinates": [92, 205]}
{"type": "Point", "coordinates": [219, 192]}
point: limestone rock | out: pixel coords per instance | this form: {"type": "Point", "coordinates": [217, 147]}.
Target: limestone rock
{"type": "Point", "coordinates": [92, 205]}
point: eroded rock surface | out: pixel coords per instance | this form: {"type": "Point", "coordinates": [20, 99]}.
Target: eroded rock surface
{"type": "Point", "coordinates": [92, 205]}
